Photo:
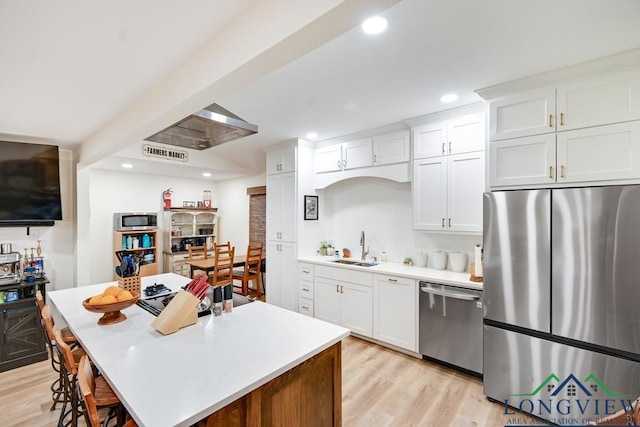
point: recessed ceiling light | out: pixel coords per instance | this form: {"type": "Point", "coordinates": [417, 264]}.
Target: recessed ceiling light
{"type": "Point", "coordinates": [312, 135]}
{"type": "Point", "coordinates": [206, 174]}
{"type": "Point", "coordinates": [449, 98]}
{"type": "Point", "coordinates": [127, 165]}
{"type": "Point", "coordinates": [374, 25]}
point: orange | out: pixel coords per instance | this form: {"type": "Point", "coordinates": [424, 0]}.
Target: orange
{"type": "Point", "coordinates": [95, 299]}
{"type": "Point", "coordinates": [124, 295]}
{"type": "Point", "coordinates": [108, 299]}
{"type": "Point", "coordinates": [112, 290]}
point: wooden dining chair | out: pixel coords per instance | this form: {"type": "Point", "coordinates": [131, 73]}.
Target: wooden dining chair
{"type": "Point", "coordinates": [96, 393]}
{"type": "Point", "coordinates": [223, 265]}
{"type": "Point", "coordinates": [251, 272]}
{"type": "Point", "coordinates": [197, 253]}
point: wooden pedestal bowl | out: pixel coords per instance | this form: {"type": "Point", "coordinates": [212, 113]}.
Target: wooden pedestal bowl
{"type": "Point", "coordinates": [111, 312]}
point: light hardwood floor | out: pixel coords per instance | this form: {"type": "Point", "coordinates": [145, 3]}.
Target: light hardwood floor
{"type": "Point", "coordinates": [380, 387]}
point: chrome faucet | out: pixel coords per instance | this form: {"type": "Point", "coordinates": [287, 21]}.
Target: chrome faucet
{"type": "Point", "coordinates": [364, 253]}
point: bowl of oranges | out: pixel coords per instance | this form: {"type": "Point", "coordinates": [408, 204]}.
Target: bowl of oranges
{"type": "Point", "coordinates": [109, 303]}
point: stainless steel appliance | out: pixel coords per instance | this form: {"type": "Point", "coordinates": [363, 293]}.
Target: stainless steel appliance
{"type": "Point", "coordinates": [10, 268]}
{"type": "Point", "coordinates": [451, 325]}
{"type": "Point", "coordinates": [135, 221]}
{"type": "Point", "coordinates": [561, 293]}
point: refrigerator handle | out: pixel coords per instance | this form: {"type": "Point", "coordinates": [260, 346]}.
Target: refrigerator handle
{"type": "Point", "coordinates": [466, 297]}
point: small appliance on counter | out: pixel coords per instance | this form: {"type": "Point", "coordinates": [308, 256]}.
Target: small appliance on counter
{"type": "Point", "coordinates": [10, 268]}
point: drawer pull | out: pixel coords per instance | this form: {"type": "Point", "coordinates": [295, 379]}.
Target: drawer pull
{"type": "Point", "coordinates": [393, 280]}
{"type": "Point", "coordinates": [304, 307]}
{"type": "Point", "coordinates": [550, 120]}
{"type": "Point", "coordinates": [306, 271]}
{"type": "Point", "coordinates": [562, 171]}
{"type": "Point", "coordinates": [551, 172]}
{"type": "Point", "coordinates": [305, 289]}
{"type": "Point", "coordinates": [337, 288]}
{"type": "Point", "coordinates": [443, 152]}
{"type": "Point", "coordinates": [561, 119]}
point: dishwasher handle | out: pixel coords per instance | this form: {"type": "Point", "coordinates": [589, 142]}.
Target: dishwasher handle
{"type": "Point", "coordinates": [456, 295]}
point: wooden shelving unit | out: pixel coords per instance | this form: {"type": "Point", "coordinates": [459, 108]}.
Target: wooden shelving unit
{"type": "Point", "coordinates": [145, 269]}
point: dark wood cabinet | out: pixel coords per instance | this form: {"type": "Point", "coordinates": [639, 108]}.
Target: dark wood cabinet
{"type": "Point", "coordinates": [308, 395]}
{"type": "Point", "coordinates": [22, 340]}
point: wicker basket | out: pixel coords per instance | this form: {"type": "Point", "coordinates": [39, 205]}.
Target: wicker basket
{"type": "Point", "coordinates": [130, 283]}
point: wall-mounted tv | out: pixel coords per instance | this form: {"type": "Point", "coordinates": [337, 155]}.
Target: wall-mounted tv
{"type": "Point", "coordinates": [29, 184]}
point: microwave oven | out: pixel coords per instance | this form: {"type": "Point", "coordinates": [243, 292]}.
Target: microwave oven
{"type": "Point", "coordinates": [135, 221]}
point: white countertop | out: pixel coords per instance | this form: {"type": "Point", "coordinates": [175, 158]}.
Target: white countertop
{"type": "Point", "coordinates": [445, 277]}
{"type": "Point", "coordinates": [178, 379]}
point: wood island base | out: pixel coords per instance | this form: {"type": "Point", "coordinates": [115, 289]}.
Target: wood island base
{"type": "Point", "coordinates": [309, 394]}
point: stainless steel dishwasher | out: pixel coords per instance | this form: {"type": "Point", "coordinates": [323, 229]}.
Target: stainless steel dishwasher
{"type": "Point", "coordinates": [451, 325]}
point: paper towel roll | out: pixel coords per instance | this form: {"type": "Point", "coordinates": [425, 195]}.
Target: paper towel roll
{"type": "Point", "coordinates": [478, 261]}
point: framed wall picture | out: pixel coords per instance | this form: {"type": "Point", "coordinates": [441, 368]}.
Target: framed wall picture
{"type": "Point", "coordinates": [310, 207]}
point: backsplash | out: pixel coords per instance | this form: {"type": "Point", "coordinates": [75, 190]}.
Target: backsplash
{"type": "Point", "coordinates": [382, 208]}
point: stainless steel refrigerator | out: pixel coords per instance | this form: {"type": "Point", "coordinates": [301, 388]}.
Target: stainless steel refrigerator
{"type": "Point", "coordinates": [562, 301]}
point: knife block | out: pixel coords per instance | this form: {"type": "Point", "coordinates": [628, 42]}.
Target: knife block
{"type": "Point", "coordinates": [180, 312]}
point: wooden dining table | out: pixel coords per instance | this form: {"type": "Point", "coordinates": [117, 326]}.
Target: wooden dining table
{"type": "Point", "coordinates": [209, 264]}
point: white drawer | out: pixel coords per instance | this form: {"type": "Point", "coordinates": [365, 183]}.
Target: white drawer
{"type": "Point", "coordinates": [305, 306]}
{"type": "Point", "coordinates": [305, 289]}
{"type": "Point", "coordinates": [305, 271]}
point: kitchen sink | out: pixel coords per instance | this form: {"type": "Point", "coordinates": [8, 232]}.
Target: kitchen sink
{"type": "Point", "coordinates": [353, 262]}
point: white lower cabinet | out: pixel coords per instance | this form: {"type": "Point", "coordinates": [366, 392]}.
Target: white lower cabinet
{"type": "Point", "coordinates": [344, 297]}
{"type": "Point", "coordinates": [305, 289]}
{"type": "Point", "coordinates": [395, 308]}
{"type": "Point", "coordinates": [281, 280]}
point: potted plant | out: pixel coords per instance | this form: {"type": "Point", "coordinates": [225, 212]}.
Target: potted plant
{"type": "Point", "coordinates": [325, 249]}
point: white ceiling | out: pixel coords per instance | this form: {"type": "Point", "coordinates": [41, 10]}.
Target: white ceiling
{"type": "Point", "coordinates": [68, 69]}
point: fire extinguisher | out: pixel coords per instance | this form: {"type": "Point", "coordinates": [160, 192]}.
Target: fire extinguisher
{"type": "Point", "coordinates": [166, 196]}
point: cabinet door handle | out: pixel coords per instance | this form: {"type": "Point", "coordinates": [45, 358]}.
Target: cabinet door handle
{"type": "Point", "coordinates": [306, 271]}
{"type": "Point", "coordinates": [551, 172]}
{"type": "Point", "coordinates": [443, 152]}
{"type": "Point", "coordinates": [550, 120]}
{"type": "Point", "coordinates": [305, 307]}
{"type": "Point", "coordinates": [562, 171]}
{"type": "Point", "coordinates": [338, 288]}
{"type": "Point", "coordinates": [341, 289]}
{"type": "Point", "coordinates": [449, 222]}
{"type": "Point", "coordinates": [339, 163]}
{"type": "Point", "coordinates": [375, 158]}
{"type": "Point", "coordinates": [344, 163]}
{"type": "Point", "coordinates": [449, 147]}
{"type": "Point", "coordinates": [393, 280]}
{"type": "Point", "coordinates": [561, 119]}
{"type": "Point", "coordinates": [442, 222]}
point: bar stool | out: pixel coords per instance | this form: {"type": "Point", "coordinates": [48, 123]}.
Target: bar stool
{"type": "Point", "coordinates": [251, 270]}
{"type": "Point", "coordinates": [95, 393]}
{"type": "Point", "coordinates": [69, 369]}
{"type": "Point", "coordinates": [57, 387]}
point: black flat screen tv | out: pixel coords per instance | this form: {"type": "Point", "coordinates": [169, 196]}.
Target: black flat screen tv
{"type": "Point", "coordinates": [29, 184]}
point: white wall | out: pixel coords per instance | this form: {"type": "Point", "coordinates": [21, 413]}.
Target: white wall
{"type": "Point", "coordinates": [111, 192]}
{"type": "Point", "coordinates": [233, 210]}
{"type": "Point", "coordinates": [57, 242]}
{"type": "Point", "coordinates": [382, 208]}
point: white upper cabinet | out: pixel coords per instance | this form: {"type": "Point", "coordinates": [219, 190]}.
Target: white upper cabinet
{"type": "Point", "coordinates": [328, 159]}
{"type": "Point", "coordinates": [523, 114]}
{"type": "Point", "coordinates": [281, 207]}
{"type": "Point", "coordinates": [357, 154]}
{"type": "Point", "coordinates": [430, 140]}
{"type": "Point", "coordinates": [458, 135]}
{"type": "Point", "coordinates": [598, 101]}
{"type": "Point", "coordinates": [447, 192]}
{"type": "Point", "coordinates": [590, 136]}
{"type": "Point", "coordinates": [595, 101]}
{"type": "Point", "coordinates": [377, 151]}
{"type": "Point", "coordinates": [523, 161]}
{"type": "Point", "coordinates": [281, 160]}
{"type": "Point", "coordinates": [601, 153]}
{"type": "Point", "coordinates": [391, 148]}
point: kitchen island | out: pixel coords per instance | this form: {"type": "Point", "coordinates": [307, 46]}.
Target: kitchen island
{"type": "Point", "coordinates": [258, 365]}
